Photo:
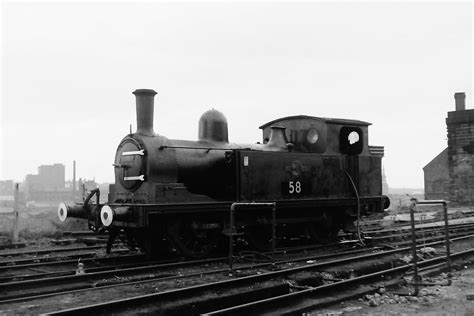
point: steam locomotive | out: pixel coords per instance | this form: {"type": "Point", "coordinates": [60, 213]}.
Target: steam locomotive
{"type": "Point", "coordinates": [320, 173]}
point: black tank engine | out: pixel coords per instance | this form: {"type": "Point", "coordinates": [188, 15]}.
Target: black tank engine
{"type": "Point", "coordinates": [320, 172]}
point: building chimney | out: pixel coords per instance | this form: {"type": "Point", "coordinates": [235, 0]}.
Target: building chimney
{"type": "Point", "coordinates": [145, 104]}
{"type": "Point", "coordinates": [460, 98]}
{"type": "Point", "coordinates": [74, 179]}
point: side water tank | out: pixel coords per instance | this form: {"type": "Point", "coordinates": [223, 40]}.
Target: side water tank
{"type": "Point", "coordinates": [213, 127]}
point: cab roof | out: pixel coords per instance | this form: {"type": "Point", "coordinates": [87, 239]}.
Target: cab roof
{"type": "Point", "coordinates": [324, 119]}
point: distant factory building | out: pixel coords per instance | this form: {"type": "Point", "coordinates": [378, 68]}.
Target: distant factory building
{"type": "Point", "coordinates": [6, 194]}
{"type": "Point", "coordinates": [84, 186]}
{"type": "Point", "coordinates": [52, 176]}
{"type": "Point", "coordinates": [450, 175]}
{"type": "Point", "coordinates": [48, 184]}
{"type": "Point", "coordinates": [6, 187]}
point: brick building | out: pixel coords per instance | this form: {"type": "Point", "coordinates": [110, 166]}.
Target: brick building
{"type": "Point", "coordinates": [52, 176]}
{"type": "Point", "coordinates": [48, 184]}
{"type": "Point", "coordinates": [437, 177]}
{"type": "Point", "coordinates": [6, 187]}
{"type": "Point", "coordinates": [460, 125]}
{"type": "Point", "coordinates": [49, 178]}
{"type": "Point", "coordinates": [451, 174]}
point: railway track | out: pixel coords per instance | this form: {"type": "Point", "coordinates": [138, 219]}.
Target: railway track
{"type": "Point", "coordinates": [36, 252]}
{"type": "Point", "coordinates": [420, 226]}
{"type": "Point", "coordinates": [22, 270]}
{"type": "Point", "coordinates": [90, 238]}
{"type": "Point", "coordinates": [38, 261]}
{"type": "Point", "coordinates": [302, 300]}
{"type": "Point", "coordinates": [270, 287]}
{"type": "Point", "coordinates": [44, 285]}
{"type": "Point", "coordinates": [67, 267]}
{"type": "Point", "coordinates": [88, 283]}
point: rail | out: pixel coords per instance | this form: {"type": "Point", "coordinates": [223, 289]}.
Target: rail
{"type": "Point", "coordinates": [109, 307]}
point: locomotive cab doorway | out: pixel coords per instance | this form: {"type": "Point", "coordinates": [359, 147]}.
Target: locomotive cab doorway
{"type": "Point", "coordinates": [352, 168]}
{"type": "Point", "coordinates": [351, 142]}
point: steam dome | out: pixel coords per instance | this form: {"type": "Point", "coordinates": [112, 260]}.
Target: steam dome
{"type": "Point", "coordinates": [213, 127]}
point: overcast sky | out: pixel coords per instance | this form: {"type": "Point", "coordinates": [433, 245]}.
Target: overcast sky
{"type": "Point", "coordinates": [69, 69]}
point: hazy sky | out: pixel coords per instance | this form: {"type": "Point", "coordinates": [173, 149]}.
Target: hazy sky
{"type": "Point", "coordinates": [68, 70]}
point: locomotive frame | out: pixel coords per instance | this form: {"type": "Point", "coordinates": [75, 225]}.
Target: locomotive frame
{"type": "Point", "coordinates": [320, 172]}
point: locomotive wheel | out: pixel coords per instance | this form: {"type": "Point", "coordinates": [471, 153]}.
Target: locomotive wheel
{"type": "Point", "coordinates": [325, 229]}
{"type": "Point", "coordinates": [190, 238]}
{"type": "Point", "coordinates": [260, 237]}
{"type": "Point", "coordinates": [154, 246]}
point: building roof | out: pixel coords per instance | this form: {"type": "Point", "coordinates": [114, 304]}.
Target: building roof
{"type": "Point", "coordinates": [433, 161]}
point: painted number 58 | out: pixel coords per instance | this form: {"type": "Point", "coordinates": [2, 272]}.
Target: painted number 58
{"type": "Point", "coordinates": [294, 187]}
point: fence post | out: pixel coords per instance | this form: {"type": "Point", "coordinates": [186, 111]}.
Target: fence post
{"type": "Point", "coordinates": [446, 234]}
{"type": "Point", "coordinates": [15, 212]}
{"type": "Point", "coordinates": [413, 238]}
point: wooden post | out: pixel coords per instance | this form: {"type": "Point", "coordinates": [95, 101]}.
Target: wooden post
{"type": "Point", "coordinates": [413, 239]}
{"type": "Point", "coordinates": [74, 180]}
{"type": "Point", "coordinates": [15, 212]}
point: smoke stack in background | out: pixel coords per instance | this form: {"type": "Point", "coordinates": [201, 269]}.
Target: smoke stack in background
{"type": "Point", "coordinates": [145, 105]}
{"type": "Point", "coordinates": [460, 98]}
{"type": "Point", "coordinates": [74, 179]}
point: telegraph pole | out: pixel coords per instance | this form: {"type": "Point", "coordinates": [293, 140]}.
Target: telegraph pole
{"type": "Point", "coordinates": [15, 212]}
{"type": "Point", "coordinates": [74, 181]}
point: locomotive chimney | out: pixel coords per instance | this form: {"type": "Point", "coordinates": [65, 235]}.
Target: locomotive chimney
{"type": "Point", "coordinates": [460, 98]}
{"type": "Point", "coordinates": [145, 104]}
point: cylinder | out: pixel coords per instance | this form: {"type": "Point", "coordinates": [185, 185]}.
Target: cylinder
{"type": "Point", "coordinates": [109, 214]}
{"type": "Point", "coordinates": [460, 99]}
{"type": "Point", "coordinates": [145, 106]}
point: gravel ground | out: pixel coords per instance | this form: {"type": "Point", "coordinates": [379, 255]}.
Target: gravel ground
{"type": "Point", "coordinates": [456, 299]}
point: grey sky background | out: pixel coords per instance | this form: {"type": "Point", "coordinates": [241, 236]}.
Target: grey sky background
{"type": "Point", "coordinates": [68, 70]}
